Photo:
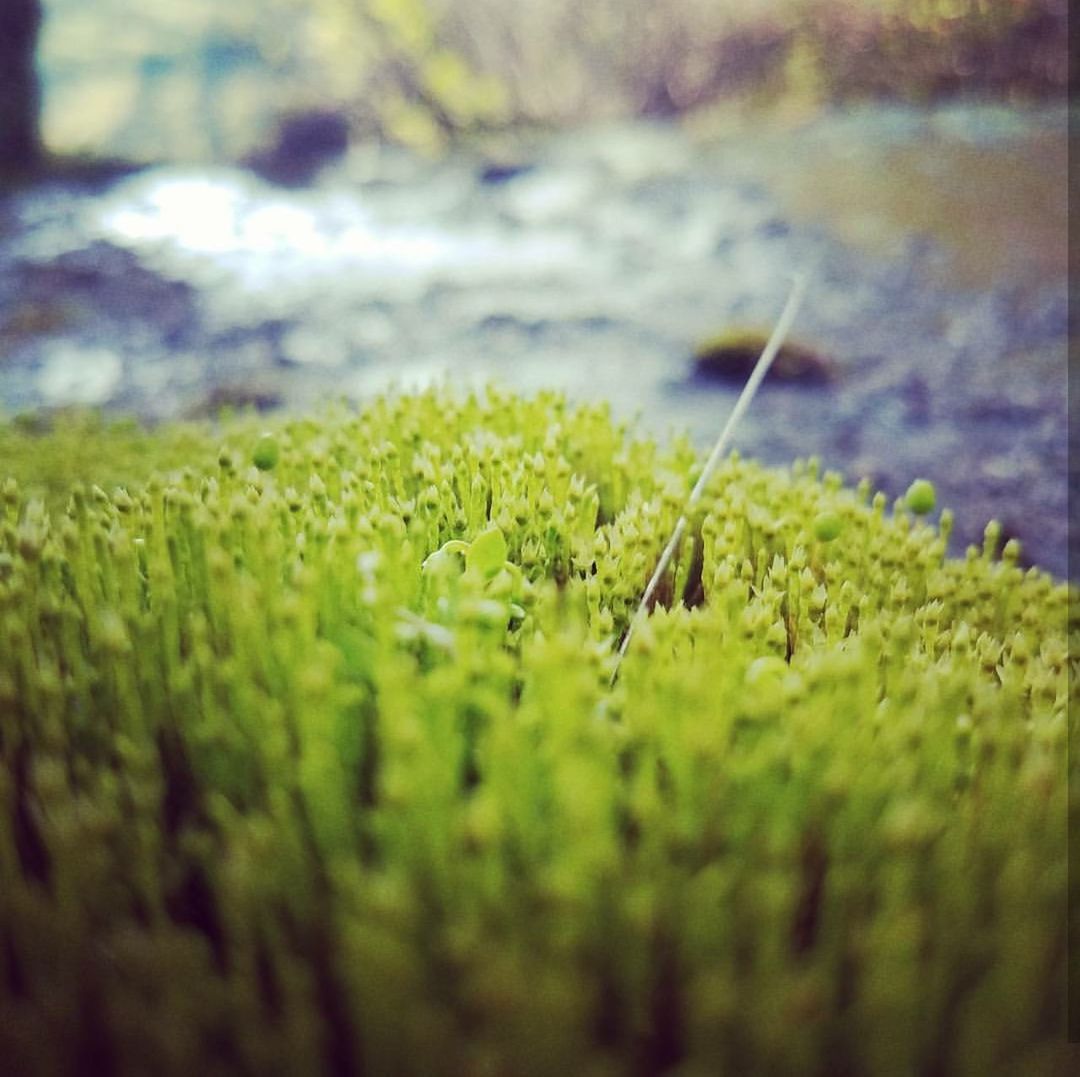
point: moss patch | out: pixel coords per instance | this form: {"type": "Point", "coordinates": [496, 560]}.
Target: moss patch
{"type": "Point", "coordinates": [318, 769]}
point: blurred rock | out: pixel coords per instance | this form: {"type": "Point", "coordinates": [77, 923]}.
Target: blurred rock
{"type": "Point", "coordinates": [732, 356]}
{"type": "Point", "coordinates": [496, 171]}
{"type": "Point", "coordinates": [234, 397]}
{"type": "Point", "coordinates": [306, 143]}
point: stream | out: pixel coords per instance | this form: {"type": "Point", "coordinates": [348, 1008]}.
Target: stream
{"type": "Point", "coordinates": [593, 262]}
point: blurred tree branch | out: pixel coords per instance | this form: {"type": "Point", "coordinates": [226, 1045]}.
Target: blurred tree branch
{"type": "Point", "coordinates": [404, 79]}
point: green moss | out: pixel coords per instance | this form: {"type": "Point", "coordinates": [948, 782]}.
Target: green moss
{"type": "Point", "coordinates": [319, 768]}
{"type": "Point", "coordinates": [48, 451]}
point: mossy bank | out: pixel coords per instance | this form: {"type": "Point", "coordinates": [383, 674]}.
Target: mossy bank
{"type": "Point", "coordinates": [310, 761]}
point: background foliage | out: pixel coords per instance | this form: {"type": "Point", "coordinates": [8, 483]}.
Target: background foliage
{"type": "Point", "coordinates": [153, 78]}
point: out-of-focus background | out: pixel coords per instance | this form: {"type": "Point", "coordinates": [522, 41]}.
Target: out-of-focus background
{"type": "Point", "coordinates": [266, 202]}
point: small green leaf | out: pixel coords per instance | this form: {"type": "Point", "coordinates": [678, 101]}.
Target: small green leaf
{"type": "Point", "coordinates": [765, 670]}
{"type": "Point", "coordinates": [487, 553]}
{"type": "Point", "coordinates": [443, 562]}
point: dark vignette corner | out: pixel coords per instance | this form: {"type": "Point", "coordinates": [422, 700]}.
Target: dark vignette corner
{"type": "Point", "coordinates": [1073, 390]}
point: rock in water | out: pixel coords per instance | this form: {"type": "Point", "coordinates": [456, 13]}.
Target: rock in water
{"type": "Point", "coordinates": [306, 142]}
{"type": "Point", "coordinates": [731, 357]}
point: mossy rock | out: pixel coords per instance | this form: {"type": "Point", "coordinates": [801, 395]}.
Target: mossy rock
{"type": "Point", "coordinates": [732, 355]}
{"type": "Point", "coordinates": [318, 766]}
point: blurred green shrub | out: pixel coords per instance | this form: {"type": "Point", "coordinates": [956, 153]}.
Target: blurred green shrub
{"type": "Point", "coordinates": [198, 80]}
{"type": "Point", "coordinates": [927, 49]}
{"type": "Point", "coordinates": [391, 60]}
{"type": "Point", "coordinates": [309, 760]}
{"type": "Point", "coordinates": [446, 67]}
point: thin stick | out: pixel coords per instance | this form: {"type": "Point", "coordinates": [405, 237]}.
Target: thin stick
{"type": "Point", "coordinates": [761, 368]}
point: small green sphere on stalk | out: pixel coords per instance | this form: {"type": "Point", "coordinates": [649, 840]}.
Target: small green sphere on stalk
{"type": "Point", "coordinates": [827, 526]}
{"type": "Point", "coordinates": [266, 453]}
{"type": "Point", "coordinates": [921, 497]}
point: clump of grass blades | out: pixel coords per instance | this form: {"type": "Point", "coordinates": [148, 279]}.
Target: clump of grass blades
{"type": "Point", "coordinates": [281, 791]}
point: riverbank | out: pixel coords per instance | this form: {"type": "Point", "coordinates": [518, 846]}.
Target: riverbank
{"type": "Point", "coordinates": [593, 262]}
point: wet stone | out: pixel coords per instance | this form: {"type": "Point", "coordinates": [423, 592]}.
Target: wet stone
{"type": "Point", "coordinates": [494, 173]}
{"type": "Point", "coordinates": [732, 356]}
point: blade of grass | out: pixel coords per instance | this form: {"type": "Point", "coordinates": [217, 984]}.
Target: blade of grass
{"type": "Point", "coordinates": [757, 375]}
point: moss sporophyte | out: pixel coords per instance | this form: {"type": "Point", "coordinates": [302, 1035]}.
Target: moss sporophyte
{"type": "Point", "coordinates": [301, 771]}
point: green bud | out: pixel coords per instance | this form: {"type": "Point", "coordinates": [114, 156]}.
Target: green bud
{"type": "Point", "coordinates": [827, 526]}
{"type": "Point", "coordinates": [266, 453]}
{"type": "Point", "coordinates": [921, 497]}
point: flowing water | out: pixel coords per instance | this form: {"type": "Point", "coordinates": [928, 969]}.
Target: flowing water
{"type": "Point", "coordinates": [593, 262]}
